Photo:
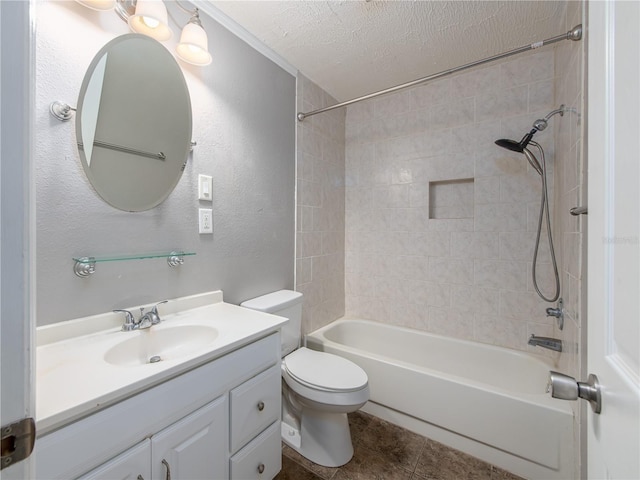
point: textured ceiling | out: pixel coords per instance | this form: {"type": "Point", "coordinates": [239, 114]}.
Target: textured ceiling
{"type": "Point", "coordinates": [351, 48]}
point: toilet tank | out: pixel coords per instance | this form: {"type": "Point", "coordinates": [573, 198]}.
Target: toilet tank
{"type": "Point", "coordinates": [285, 303]}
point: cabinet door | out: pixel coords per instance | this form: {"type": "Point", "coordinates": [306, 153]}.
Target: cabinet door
{"type": "Point", "coordinates": [134, 464]}
{"type": "Point", "coordinates": [195, 447]}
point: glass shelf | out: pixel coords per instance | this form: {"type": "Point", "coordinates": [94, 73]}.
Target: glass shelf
{"type": "Point", "coordinates": [85, 266]}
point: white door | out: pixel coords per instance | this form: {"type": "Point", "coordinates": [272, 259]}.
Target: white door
{"type": "Point", "coordinates": [614, 237]}
{"type": "Point", "coordinates": [16, 245]}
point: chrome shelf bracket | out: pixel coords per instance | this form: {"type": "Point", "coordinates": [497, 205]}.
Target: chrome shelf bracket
{"type": "Point", "coordinates": [61, 111]}
{"type": "Point", "coordinates": [175, 258]}
{"type": "Point", "coordinates": [84, 266]}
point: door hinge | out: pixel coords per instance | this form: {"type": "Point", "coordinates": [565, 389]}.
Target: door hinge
{"type": "Point", "coordinates": [17, 441]}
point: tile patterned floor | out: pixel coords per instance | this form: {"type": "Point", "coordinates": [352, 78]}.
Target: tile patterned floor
{"type": "Point", "coordinates": [384, 451]}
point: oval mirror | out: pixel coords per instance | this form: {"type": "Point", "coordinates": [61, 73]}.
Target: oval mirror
{"type": "Point", "coordinates": [133, 123]}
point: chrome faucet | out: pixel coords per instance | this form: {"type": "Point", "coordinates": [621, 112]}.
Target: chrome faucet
{"type": "Point", "coordinates": [146, 320]}
{"type": "Point", "coordinates": [546, 342]}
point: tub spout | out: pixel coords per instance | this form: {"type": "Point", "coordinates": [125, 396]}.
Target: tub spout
{"type": "Point", "coordinates": [546, 342]}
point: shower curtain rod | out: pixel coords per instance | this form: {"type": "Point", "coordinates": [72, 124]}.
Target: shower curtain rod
{"type": "Point", "coordinates": [574, 34]}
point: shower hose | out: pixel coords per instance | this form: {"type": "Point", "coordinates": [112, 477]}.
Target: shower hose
{"type": "Point", "coordinates": [544, 206]}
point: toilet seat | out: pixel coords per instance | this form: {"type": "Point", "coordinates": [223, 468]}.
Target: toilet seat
{"type": "Point", "coordinates": [324, 371]}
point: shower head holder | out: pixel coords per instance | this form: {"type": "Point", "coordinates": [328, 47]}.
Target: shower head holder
{"type": "Point", "coordinates": [542, 123]}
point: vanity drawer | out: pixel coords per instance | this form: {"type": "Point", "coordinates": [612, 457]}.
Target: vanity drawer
{"type": "Point", "coordinates": [254, 405]}
{"type": "Point", "coordinates": [260, 459]}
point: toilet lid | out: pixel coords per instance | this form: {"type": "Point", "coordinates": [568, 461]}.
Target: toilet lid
{"type": "Point", "coordinates": [325, 371]}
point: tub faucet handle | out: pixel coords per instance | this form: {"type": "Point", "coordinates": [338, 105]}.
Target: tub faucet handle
{"type": "Point", "coordinates": [553, 312]}
{"type": "Point", "coordinates": [557, 312]}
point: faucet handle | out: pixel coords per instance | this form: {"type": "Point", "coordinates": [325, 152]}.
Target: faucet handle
{"type": "Point", "coordinates": [129, 321]}
{"type": "Point", "coordinates": [155, 307]}
{"type": "Point", "coordinates": [155, 316]}
{"type": "Point", "coordinates": [558, 313]}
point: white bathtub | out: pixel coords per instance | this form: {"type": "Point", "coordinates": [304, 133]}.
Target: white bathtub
{"type": "Point", "coordinates": [487, 401]}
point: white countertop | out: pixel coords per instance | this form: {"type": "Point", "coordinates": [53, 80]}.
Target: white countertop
{"type": "Point", "coordinates": [73, 378]}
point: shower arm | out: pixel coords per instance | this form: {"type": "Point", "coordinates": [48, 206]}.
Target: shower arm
{"type": "Point", "coordinates": [557, 111]}
{"type": "Point", "coordinates": [574, 34]}
{"type": "Point", "coordinates": [542, 123]}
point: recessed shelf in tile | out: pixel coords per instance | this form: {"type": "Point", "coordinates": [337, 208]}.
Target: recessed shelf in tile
{"type": "Point", "coordinates": [451, 199]}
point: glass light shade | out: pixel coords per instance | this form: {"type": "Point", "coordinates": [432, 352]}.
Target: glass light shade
{"type": "Point", "coordinates": [193, 47]}
{"type": "Point", "coordinates": [150, 19]}
{"type": "Point", "coordinates": [100, 5]}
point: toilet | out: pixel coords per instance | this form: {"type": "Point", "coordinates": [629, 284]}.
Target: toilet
{"type": "Point", "coordinates": [318, 391]}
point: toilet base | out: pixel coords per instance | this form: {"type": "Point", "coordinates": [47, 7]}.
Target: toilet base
{"type": "Point", "coordinates": [290, 435]}
{"type": "Point", "coordinates": [323, 438]}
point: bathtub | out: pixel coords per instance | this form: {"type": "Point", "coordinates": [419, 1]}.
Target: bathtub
{"type": "Point", "coordinates": [484, 400]}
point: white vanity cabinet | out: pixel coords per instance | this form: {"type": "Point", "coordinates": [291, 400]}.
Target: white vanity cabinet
{"type": "Point", "coordinates": [217, 421]}
{"type": "Point", "coordinates": [194, 447]}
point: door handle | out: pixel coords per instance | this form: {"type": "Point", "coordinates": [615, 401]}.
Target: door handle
{"type": "Point", "coordinates": [166, 464]}
{"type": "Point", "coordinates": [565, 387]}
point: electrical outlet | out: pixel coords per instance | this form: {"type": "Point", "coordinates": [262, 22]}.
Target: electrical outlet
{"type": "Point", "coordinates": [205, 185]}
{"type": "Point", "coordinates": [205, 220]}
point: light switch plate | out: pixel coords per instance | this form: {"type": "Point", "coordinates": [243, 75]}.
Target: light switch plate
{"type": "Point", "coordinates": [205, 187]}
{"type": "Point", "coordinates": [205, 220]}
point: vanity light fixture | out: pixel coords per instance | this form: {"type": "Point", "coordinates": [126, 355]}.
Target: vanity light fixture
{"type": "Point", "coordinates": [100, 5]}
{"type": "Point", "coordinates": [193, 47]}
{"type": "Point", "coordinates": [150, 18]}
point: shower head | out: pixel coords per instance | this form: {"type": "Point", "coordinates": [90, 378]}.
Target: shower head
{"type": "Point", "coordinates": [516, 146]}
{"type": "Point", "coordinates": [521, 147]}
{"type": "Point", "coordinates": [510, 145]}
{"type": "Point", "coordinates": [538, 126]}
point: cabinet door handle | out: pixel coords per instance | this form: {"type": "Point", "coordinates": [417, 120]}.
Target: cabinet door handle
{"type": "Point", "coordinates": [260, 407]}
{"type": "Point", "coordinates": [166, 464]}
{"type": "Point", "coordinates": [261, 468]}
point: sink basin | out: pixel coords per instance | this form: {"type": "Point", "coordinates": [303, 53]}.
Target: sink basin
{"type": "Point", "coordinates": [151, 346]}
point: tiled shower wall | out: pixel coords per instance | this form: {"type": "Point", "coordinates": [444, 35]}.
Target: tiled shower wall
{"type": "Point", "coordinates": [571, 181]}
{"type": "Point", "coordinates": [440, 222]}
{"type": "Point", "coordinates": [320, 208]}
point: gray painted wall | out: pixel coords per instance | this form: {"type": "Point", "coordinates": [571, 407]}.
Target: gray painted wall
{"type": "Point", "coordinates": [244, 123]}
